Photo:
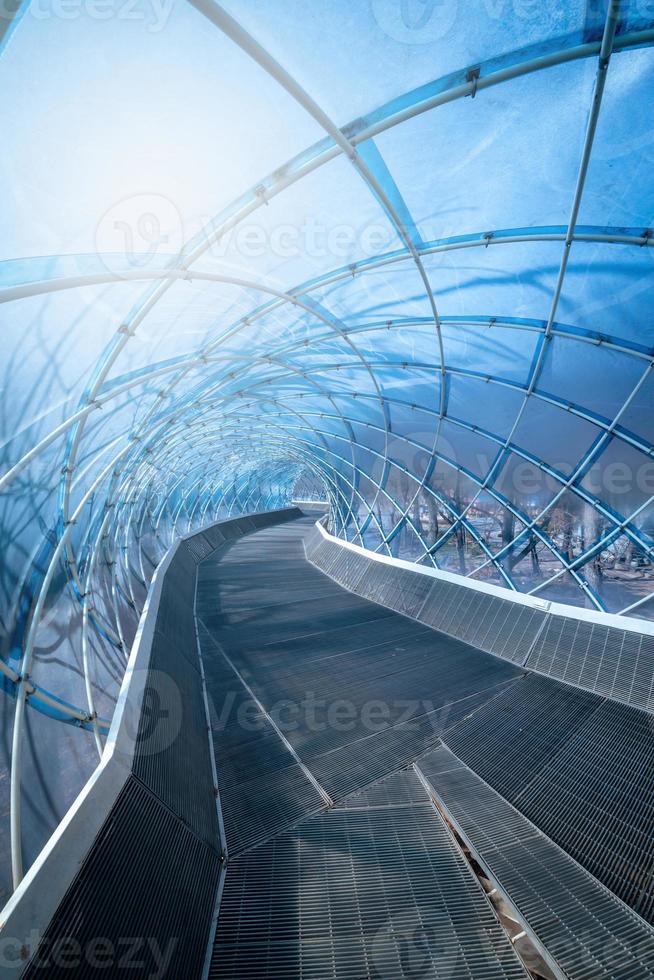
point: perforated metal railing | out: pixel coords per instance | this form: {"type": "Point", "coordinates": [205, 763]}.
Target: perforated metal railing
{"type": "Point", "coordinates": [609, 655]}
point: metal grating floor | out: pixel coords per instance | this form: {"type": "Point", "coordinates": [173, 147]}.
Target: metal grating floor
{"type": "Point", "coordinates": [339, 865]}
{"type": "Point", "coordinates": [362, 690]}
{"type": "Point", "coordinates": [581, 768]}
{"type": "Point", "coordinates": [596, 799]}
{"type": "Point", "coordinates": [379, 890]}
{"type": "Point", "coordinates": [263, 788]}
{"type": "Point", "coordinates": [590, 932]}
{"type": "Point", "coordinates": [511, 738]}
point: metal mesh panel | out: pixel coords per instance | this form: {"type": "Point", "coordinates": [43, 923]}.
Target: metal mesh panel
{"type": "Point", "coordinates": [596, 799]}
{"type": "Point", "coordinates": [147, 879]}
{"type": "Point", "coordinates": [610, 661]}
{"type": "Point", "coordinates": [359, 893]}
{"type": "Point", "coordinates": [399, 789]}
{"type": "Point", "coordinates": [199, 546]}
{"type": "Point", "coordinates": [495, 625]}
{"type": "Point", "coordinates": [511, 738]}
{"type": "Point", "coordinates": [172, 755]}
{"type": "Point", "coordinates": [591, 934]}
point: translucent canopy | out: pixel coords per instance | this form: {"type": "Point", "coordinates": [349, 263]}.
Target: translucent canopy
{"type": "Point", "coordinates": [396, 256]}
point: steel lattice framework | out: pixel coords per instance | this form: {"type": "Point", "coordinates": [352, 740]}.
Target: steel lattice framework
{"type": "Point", "coordinates": [479, 401]}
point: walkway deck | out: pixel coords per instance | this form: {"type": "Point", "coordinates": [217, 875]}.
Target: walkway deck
{"type": "Point", "coordinates": [330, 715]}
{"type": "Point", "coordinates": [314, 695]}
{"type": "Point", "coordinates": [357, 691]}
{"type": "Point", "coordinates": [360, 758]}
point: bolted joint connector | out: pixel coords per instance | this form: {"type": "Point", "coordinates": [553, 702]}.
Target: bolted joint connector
{"type": "Point", "coordinates": [472, 75]}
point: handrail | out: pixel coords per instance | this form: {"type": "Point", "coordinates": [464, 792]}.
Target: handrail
{"type": "Point", "coordinates": [614, 620]}
{"type": "Point", "coordinates": [39, 893]}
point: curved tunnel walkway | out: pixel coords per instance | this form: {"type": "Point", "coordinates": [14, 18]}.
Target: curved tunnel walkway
{"type": "Point", "coordinates": [361, 755]}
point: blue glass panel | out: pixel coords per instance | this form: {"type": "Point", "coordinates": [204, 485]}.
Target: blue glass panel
{"type": "Point", "coordinates": [624, 143]}
{"type": "Point", "coordinates": [609, 290]}
{"type": "Point", "coordinates": [598, 379]}
{"type": "Point", "coordinates": [152, 140]}
{"type": "Point", "coordinates": [451, 164]}
{"type": "Point", "coordinates": [415, 41]}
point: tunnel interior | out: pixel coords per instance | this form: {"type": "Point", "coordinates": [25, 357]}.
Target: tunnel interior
{"type": "Point", "coordinates": [390, 263]}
